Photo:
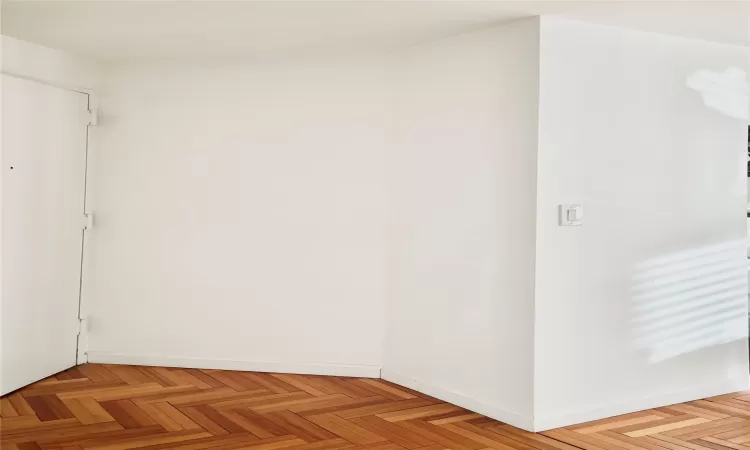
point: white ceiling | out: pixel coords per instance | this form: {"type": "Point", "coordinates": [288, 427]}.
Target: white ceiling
{"type": "Point", "coordinates": [111, 30]}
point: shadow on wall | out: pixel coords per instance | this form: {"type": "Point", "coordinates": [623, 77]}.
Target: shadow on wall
{"type": "Point", "coordinates": [691, 300]}
{"type": "Point", "coordinates": [697, 298]}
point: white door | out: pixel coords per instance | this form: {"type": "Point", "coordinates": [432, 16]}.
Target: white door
{"type": "Point", "coordinates": [42, 191]}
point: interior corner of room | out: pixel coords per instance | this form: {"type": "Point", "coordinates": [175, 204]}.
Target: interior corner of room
{"type": "Point", "coordinates": [268, 187]}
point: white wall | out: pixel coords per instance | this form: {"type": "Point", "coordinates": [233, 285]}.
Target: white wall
{"type": "Point", "coordinates": [646, 303]}
{"type": "Point", "coordinates": [241, 216]}
{"type": "Point", "coordinates": [460, 318]}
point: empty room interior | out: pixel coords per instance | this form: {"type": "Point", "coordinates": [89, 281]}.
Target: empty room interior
{"type": "Point", "coordinates": [391, 225]}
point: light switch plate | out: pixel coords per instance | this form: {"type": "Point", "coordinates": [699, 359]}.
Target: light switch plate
{"type": "Point", "coordinates": [571, 215]}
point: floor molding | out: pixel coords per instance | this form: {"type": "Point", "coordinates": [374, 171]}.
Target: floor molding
{"type": "Point", "coordinates": [344, 370]}
{"type": "Point", "coordinates": [494, 412]}
{"type": "Point", "coordinates": [525, 422]}
{"type": "Point", "coordinates": [638, 404]}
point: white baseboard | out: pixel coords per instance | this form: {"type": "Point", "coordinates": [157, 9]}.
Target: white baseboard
{"type": "Point", "coordinates": [343, 370]}
{"type": "Point", "coordinates": [525, 422]}
{"type": "Point", "coordinates": [639, 404]}
{"type": "Point", "coordinates": [512, 418]}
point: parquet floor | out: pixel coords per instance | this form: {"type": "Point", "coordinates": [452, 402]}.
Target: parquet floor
{"type": "Point", "coordinates": [122, 407]}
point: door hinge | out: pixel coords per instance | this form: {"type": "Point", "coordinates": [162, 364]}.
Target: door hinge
{"type": "Point", "coordinates": [82, 340]}
{"type": "Point", "coordinates": [84, 325]}
{"type": "Point", "coordinates": [88, 221]}
{"type": "Point", "coordinates": [94, 117]}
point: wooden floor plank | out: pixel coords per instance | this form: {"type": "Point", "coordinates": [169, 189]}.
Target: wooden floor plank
{"type": "Point", "coordinates": [424, 429]}
{"type": "Point", "coordinates": [300, 383]}
{"type": "Point", "coordinates": [49, 407]}
{"type": "Point", "coordinates": [203, 443]}
{"type": "Point", "coordinates": [69, 430]}
{"type": "Point", "coordinates": [629, 441]}
{"type": "Point", "coordinates": [157, 412]}
{"type": "Point", "coordinates": [481, 438]}
{"type": "Point", "coordinates": [534, 440]}
{"type": "Point", "coordinates": [261, 426]}
{"type": "Point", "coordinates": [618, 424]}
{"type": "Point", "coordinates": [415, 413]}
{"type": "Point", "coordinates": [723, 443]}
{"type": "Point", "coordinates": [87, 410]}
{"type": "Point", "coordinates": [667, 427]}
{"type": "Point", "coordinates": [342, 404]}
{"type": "Point", "coordinates": [346, 429]}
{"type": "Point", "coordinates": [98, 435]}
{"type": "Point", "coordinates": [304, 428]}
{"type": "Point", "coordinates": [392, 432]}
{"type": "Point", "coordinates": [576, 439]}
{"type": "Point", "coordinates": [383, 408]}
{"type": "Point", "coordinates": [20, 404]}
{"type": "Point", "coordinates": [196, 415]}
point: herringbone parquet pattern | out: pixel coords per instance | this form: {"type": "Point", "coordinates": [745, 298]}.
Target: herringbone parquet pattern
{"type": "Point", "coordinates": [717, 423]}
{"type": "Point", "coordinates": [121, 407]}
